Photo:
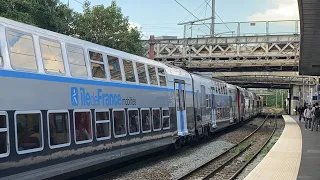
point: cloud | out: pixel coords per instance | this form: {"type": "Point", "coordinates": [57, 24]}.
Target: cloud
{"type": "Point", "coordinates": [133, 25]}
{"type": "Point", "coordinates": [280, 10]}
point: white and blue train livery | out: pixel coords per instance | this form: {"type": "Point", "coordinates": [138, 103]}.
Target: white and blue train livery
{"type": "Point", "coordinates": [68, 105]}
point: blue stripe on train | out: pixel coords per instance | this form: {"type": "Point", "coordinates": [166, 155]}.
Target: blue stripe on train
{"type": "Point", "coordinates": [53, 78]}
{"type": "Point", "coordinates": [181, 112]}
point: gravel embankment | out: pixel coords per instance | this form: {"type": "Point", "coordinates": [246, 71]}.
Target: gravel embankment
{"type": "Point", "coordinates": [177, 165]}
{"type": "Point", "coordinates": [257, 141]}
{"type": "Point", "coordinates": [258, 159]}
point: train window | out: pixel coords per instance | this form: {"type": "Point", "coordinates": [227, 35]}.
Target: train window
{"type": "Point", "coordinates": [156, 119]}
{"type": "Point", "coordinates": [162, 77]}
{"type": "Point", "coordinates": [29, 134]}
{"type": "Point", "coordinates": [197, 99]}
{"type": "Point", "coordinates": [119, 123]}
{"type": "Point", "coordinates": [203, 97]}
{"type": "Point", "coordinates": [183, 99]}
{"type": "Point", "coordinates": [4, 135]}
{"type": "Point", "coordinates": [134, 122]}
{"type": "Point", "coordinates": [59, 129]}
{"type": "Point", "coordinates": [1, 58]}
{"type": "Point", "coordinates": [103, 125]}
{"type": "Point", "coordinates": [145, 120]}
{"type": "Point", "coordinates": [83, 126]}
{"type": "Point", "coordinates": [152, 75]}
{"type": "Point", "coordinates": [141, 73]}
{"type": "Point", "coordinates": [97, 66]}
{"type": "Point", "coordinates": [165, 119]}
{"type": "Point", "coordinates": [52, 56]}
{"type": "Point", "coordinates": [128, 69]}
{"type": "Point", "coordinates": [207, 101]}
{"type": "Point", "coordinates": [76, 61]}
{"type": "Point", "coordinates": [114, 67]}
{"type": "Point", "coordinates": [177, 97]}
{"type": "Point", "coordinates": [22, 51]}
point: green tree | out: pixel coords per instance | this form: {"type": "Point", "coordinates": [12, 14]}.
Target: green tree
{"type": "Point", "coordinates": [104, 26]}
{"type": "Point", "coordinates": [18, 10]}
{"type": "Point", "coordinates": [107, 26]}
{"type": "Point", "coordinates": [275, 98]}
{"type": "Point", "coordinates": [47, 14]}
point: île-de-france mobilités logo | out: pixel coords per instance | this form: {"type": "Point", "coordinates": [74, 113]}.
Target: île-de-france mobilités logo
{"type": "Point", "coordinates": [74, 96]}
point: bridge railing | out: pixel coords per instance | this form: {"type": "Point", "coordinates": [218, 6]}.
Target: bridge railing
{"type": "Point", "coordinates": [252, 28]}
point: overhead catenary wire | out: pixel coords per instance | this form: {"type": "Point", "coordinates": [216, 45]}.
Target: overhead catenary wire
{"type": "Point", "coordinates": [79, 2]}
{"type": "Point", "coordinates": [194, 11]}
{"type": "Point", "coordinates": [192, 14]}
{"type": "Point", "coordinates": [217, 15]}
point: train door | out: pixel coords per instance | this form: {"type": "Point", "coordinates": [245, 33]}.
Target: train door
{"type": "Point", "coordinates": [213, 108]}
{"type": "Point", "coordinates": [179, 87]}
{"type": "Point", "coordinates": [238, 105]}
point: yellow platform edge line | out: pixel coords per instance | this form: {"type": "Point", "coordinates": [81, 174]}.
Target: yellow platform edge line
{"type": "Point", "coordinates": [283, 160]}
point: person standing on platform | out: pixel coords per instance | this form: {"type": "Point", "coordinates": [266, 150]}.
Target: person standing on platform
{"type": "Point", "coordinates": [303, 109]}
{"type": "Point", "coordinates": [300, 112]}
{"type": "Point", "coordinates": [316, 118]}
{"type": "Point", "coordinates": [308, 116]}
{"type": "Point", "coordinates": [312, 116]}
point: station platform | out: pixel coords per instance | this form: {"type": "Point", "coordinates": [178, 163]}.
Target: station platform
{"type": "Point", "coordinates": [284, 159]}
{"type": "Point", "coordinates": [310, 158]}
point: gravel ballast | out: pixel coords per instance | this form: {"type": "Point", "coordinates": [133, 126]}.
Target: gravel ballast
{"type": "Point", "coordinates": [179, 164]}
{"type": "Point", "coordinates": [259, 158]}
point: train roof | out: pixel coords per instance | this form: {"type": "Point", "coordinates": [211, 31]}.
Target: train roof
{"type": "Point", "coordinates": [72, 40]}
{"type": "Point", "coordinates": [206, 77]}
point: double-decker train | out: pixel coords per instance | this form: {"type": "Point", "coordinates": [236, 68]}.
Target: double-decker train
{"type": "Point", "coordinates": [68, 105]}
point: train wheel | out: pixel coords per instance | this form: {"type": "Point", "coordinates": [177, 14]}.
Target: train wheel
{"type": "Point", "coordinates": [206, 134]}
{"type": "Point", "coordinates": [177, 144]}
{"type": "Point", "coordinates": [196, 137]}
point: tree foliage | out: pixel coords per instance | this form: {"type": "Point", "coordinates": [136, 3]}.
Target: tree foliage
{"type": "Point", "coordinates": [275, 98]}
{"type": "Point", "coordinates": [47, 14]}
{"type": "Point", "coordinates": [106, 26]}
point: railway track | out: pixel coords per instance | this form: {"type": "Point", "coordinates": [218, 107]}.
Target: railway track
{"type": "Point", "coordinates": [106, 173]}
{"type": "Point", "coordinates": [135, 163]}
{"type": "Point", "coordinates": [144, 161]}
{"type": "Point", "coordinates": [230, 163]}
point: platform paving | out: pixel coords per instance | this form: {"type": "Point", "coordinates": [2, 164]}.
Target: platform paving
{"type": "Point", "coordinates": [310, 159]}
{"type": "Point", "coordinates": [283, 160]}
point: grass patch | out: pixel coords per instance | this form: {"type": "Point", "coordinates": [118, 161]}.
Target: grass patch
{"type": "Point", "coordinates": [240, 147]}
{"type": "Point", "coordinates": [249, 156]}
{"type": "Point", "coordinates": [267, 148]}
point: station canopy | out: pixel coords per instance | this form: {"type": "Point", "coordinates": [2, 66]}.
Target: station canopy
{"type": "Point", "coordinates": [310, 37]}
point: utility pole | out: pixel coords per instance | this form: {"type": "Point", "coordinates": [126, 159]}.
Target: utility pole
{"type": "Point", "coordinates": [276, 98]}
{"type": "Point", "coordinates": [266, 100]}
{"type": "Point", "coordinates": [310, 97]}
{"type": "Point", "coordinates": [281, 99]}
{"type": "Point", "coordinates": [303, 90]}
{"type": "Point", "coordinates": [213, 16]}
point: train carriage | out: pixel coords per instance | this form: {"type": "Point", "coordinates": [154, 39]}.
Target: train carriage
{"type": "Point", "coordinates": [70, 105]}
{"type": "Point", "coordinates": [235, 107]}
{"type": "Point", "coordinates": [65, 99]}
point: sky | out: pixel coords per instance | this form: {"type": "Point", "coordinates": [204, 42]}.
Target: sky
{"type": "Point", "coordinates": [160, 17]}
